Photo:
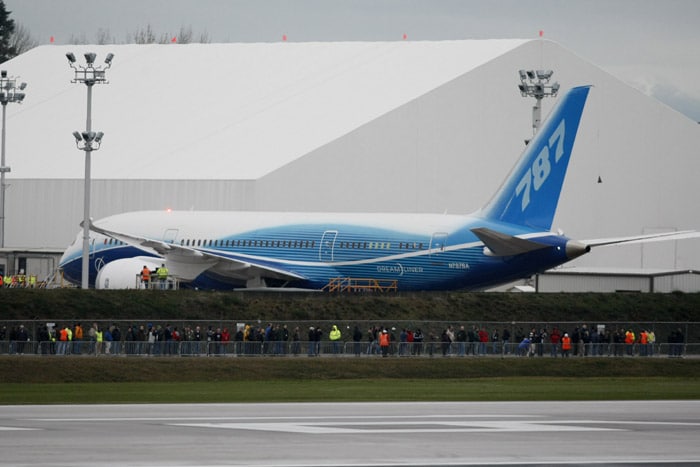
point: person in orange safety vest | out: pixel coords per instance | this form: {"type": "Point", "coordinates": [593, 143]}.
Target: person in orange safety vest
{"type": "Point", "coordinates": [565, 345]}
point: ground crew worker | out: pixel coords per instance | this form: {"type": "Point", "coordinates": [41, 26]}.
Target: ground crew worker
{"type": "Point", "coordinates": [7, 281]}
{"type": "Point", "coordinates": [384, 342]}
{"type": "Point", "coordinates": [162, 274]}
{"type": "Point", "coordinates": [334, 336]}
{"type": "Point", "coordinates": [145, 276]}
{"type": "Point", "coordinates": [565, 345]}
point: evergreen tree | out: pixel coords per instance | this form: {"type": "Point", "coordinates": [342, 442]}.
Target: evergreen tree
{"type": "Point", "coordinates": [7, 28]}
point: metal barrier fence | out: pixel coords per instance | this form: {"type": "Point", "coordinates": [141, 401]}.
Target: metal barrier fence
{"type": "Point", "coordinates": [339, 349]}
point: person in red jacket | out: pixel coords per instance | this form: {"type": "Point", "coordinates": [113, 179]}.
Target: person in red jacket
{"type": "Point", "coordinates": [555, 341]}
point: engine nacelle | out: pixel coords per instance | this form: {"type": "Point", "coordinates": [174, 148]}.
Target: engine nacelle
{"type": "Point", "coordinates": [124, 273]}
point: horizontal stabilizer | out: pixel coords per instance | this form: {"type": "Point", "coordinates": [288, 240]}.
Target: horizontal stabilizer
{"type": "Point", "coordinates": [501, 244]}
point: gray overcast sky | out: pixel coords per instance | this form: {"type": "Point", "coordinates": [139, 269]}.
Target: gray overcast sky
{"type": "Point", "coordinates": [652, 44]}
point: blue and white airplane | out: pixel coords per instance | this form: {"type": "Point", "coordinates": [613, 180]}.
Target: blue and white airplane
{"type": "Point", "coordinates": [508, 239]}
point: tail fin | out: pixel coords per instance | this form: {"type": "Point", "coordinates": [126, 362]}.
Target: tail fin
{"type": "Point", "coordinates": [530, 194]}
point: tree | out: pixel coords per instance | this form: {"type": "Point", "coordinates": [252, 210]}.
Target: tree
{"type": "Point", "coordinates": [21, 40]}
{"type": "Point", "coordinates": [104, 37]}
{"type": "Point", "coordinates": [7, 28]}
{"type": "Point", "coordinates": [143, 36]}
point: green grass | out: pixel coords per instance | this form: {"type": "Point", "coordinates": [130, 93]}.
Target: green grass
{"type": "Point", "coordinates": [91, 380]}
{"type": "Point", "coordinates": [365, 390]}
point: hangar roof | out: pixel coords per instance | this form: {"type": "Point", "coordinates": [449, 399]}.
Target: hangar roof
{"type": "Point", "coordinates": [218, 111]}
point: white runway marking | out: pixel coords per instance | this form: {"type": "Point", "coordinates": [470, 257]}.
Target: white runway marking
{"type": "Point", "coordinates": [14, 428]}
{"type": "Point", "coordinates": [505, 426]}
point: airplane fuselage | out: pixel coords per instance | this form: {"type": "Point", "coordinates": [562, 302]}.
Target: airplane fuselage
{"type": "Point", "coordinates": [418, 251]}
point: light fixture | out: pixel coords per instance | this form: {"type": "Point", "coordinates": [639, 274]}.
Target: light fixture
{"type": "Point", "coordinates": [88, 141]}
{"type": "Point", "coordinates": [9, 93]}
{"type": "Point", "coordinates": [536, 84]}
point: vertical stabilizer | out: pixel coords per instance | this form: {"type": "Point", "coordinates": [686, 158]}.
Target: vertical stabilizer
{"type": "Point", "coordinates": [530, 194]}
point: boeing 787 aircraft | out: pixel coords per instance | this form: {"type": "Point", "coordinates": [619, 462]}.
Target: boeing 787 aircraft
{"type": "Point", "coordinates": [508, 239]}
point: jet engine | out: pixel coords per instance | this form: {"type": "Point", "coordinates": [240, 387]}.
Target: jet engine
{"type": "Point", "coordinates": [126, 273]}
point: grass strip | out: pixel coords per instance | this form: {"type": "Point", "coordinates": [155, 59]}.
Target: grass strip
{"type": "Point", "coordinates": [356, 390]}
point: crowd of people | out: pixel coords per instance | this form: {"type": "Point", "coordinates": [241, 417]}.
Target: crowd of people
{"type": "Point", "coordinates": [21, 281]}
{"type": "Point", "coordinates": [279, 339]}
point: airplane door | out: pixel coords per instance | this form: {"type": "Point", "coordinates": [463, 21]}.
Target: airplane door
{"type": "Point", "coordinates": [438, 242]}
{"type": "Point", "coordinates": [327, 244]}
{"type": "Point", "coordinates": [170, 235]}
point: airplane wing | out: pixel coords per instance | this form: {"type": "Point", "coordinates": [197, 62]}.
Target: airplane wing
{"type": "Point", "coordinates": [187, 263]}
{"type": "Point", "coordinates": [657, 237]}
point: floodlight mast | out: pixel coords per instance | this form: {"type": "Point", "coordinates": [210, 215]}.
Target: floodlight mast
{"type": "Point", "coordinates": [88, 141]}
{"type": "Point", "coordinates": [9, 92]}
{"type": "Point", "coordinates": [535, 83]}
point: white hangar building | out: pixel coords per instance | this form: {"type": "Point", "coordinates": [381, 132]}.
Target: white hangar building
{"type": "Point", "coordinates": [342, 126]}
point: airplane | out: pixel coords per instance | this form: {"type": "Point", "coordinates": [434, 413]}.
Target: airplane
{"type": "Point", "coordinates": [506, 240]}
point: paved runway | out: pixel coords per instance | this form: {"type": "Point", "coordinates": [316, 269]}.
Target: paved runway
{"type": "Point", "coordinates": [353, 434]}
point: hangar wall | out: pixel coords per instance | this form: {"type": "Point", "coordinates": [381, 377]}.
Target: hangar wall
{"type": "Point", "coordinates": [54, 208]}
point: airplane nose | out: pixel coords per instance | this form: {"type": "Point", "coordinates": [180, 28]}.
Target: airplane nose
{"type": "Point", "coordinates": [575, 249]}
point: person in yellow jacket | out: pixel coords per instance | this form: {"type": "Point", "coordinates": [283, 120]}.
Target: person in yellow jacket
{"type": "Point", "coordinates": [334, 336]}
{"type": "Point", "coordinates": [162, 273]}
{"type": "Point", "coordinates": [98, 341]}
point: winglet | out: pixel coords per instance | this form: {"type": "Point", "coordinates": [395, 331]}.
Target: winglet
{"type": "Point", "coordinates": [530, 194]}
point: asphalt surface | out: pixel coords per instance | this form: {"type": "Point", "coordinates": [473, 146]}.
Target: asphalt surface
{"type": "Point", "coordinates": [353, 434]}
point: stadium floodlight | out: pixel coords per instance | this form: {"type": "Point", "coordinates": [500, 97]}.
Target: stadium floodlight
{"type": "Point", "coordinates": [536, 84]}
{"type": "Point", "coordinates": [9, 94]}
{"type": "Point", "coordinates": [544, 75]}
{"type": "Point", "coordinates": [88, 141]}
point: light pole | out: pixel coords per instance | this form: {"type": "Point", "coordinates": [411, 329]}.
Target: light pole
{"type": "Point", "coordinates": [88, 141]}
{"type": "Point", "coordinates": [9, 92]}
{"type": "Point", "coordinates": [536, 84]}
